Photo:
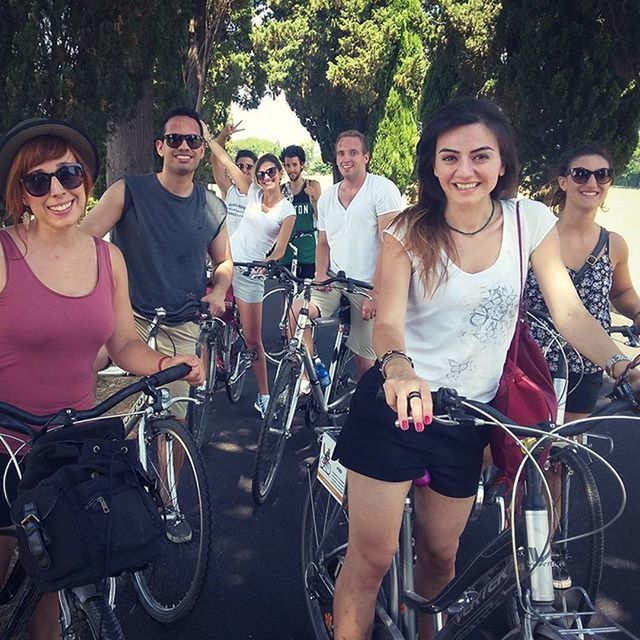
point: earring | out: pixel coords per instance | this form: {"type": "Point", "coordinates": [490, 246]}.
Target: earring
{"type": "Point", "coordinates": [26, 217]}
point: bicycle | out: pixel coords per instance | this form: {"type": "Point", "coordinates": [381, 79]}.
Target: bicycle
{"type": "Point", "coordinates": [331, 401]}
{"type": "Point", "coordinates": [223, 350]}
{"type": "Point", "coordinates": [88, 611]}
{"type": "Point", "coordinates": [280, 299]}
{"type": "Point", "coordinates": [169, 453]}
{"type": "Point", "coordinates": [509, 580]}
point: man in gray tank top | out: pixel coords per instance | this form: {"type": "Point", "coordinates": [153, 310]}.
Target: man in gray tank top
{"type": "Point", "coordinates": [166, 225]}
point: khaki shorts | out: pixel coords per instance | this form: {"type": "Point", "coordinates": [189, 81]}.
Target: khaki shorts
{"type": "Point", "coordinates": [360, 336]}
{"type": "Point", "coordinates": [170, 341]}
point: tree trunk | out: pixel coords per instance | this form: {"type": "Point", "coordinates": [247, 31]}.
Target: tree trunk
{"type": "Point", "coordinates": [130, 146]}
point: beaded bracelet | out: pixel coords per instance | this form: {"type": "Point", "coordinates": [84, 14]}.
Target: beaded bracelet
{"type": "Point", "coordinates": [390, 355]}
{"type": "Point", "coordinates": [613, 360]}
{"type": "Point", "coordinates": [162, 359]}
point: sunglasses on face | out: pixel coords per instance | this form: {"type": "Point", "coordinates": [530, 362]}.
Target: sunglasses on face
{"type": "Point", "coordinates": [242, 166]}
{"type": "Point", "coordinates": [38, 183]}
{"type": "Point", "coordinates": [174, 140]}
{"type": "Point", "coordinates": [271, 172]}
{"type": "Point", "coordinates": [580, 175]}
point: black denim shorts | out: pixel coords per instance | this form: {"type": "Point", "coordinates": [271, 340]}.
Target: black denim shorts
{"type": "Point", "coordinates": [371, 444]}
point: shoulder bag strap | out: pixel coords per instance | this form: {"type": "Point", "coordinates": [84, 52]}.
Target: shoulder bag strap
{"type": "Point", "coordinates": [603, 239]}
{"type": "Point", "coordinates": [516, 335]}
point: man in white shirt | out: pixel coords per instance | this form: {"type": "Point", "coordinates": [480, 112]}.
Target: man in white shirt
{"type": "Point", "coordinates": [351, 217]}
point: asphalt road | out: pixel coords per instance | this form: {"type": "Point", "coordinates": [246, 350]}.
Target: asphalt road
{"type": "Point", "coordinates": [254, 590]}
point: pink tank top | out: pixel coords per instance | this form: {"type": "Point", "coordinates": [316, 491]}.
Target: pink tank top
{"type": "Point", "coordinates": [49, 341]}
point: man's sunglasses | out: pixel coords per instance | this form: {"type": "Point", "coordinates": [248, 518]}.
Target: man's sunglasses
{"type": "Point", "coordinates": [38, 183]}
{"type": "Point", "coordinates": [580, 175]}
{"type": "Point", "coordinates": [242, 166]}
{"type": "Point", "coordinates": [174, 140]}
{"type": "Point", "coordinates": [272, 172]}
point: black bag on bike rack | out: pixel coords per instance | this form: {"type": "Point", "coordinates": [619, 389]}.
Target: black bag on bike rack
{"type": "Point", "coordinates": [85, 508]}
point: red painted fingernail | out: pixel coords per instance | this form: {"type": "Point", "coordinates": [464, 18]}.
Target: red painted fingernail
{"type": "Point", "coordinates": [404, 425]}
{"type": "Point", "coordinates": [419, 426]}
{"type": "Point", "coordinates": [427, 419]}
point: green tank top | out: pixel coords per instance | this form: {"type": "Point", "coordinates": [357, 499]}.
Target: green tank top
{"type": "Point", "coordinates": [304, 222]}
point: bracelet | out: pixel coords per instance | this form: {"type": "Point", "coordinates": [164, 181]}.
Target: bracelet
{"type": "Point", "coordinates": [631, 364]}
{"type": "Point", "coordinates": [162, 359]}
{"type": "Point", "coordinates": [390, 355]}
{"type": "Point", "coordinates": [613, 360]}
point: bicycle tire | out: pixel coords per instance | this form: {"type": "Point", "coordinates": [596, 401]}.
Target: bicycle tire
{"type": "Point", "coordinates": [325, 525]}
{"type": "Point", "coordinates": [583, 559]}
{"type": "Point", "coordinates": [344, 382]}
{"type": "Point", "coordinates": [27, 596]}
{"type": "Point", "coordinates": [200, 416]}
{"type": "Point", "coordinates": [235, 352]}
{"type": "Point", "coordinates": [170, 587]}
{"type": "Point", "coordinates": [93, 619]}
{"type": "Point", "coordinates": [275, 429]}
{"type": "Point", "coordinates": [275, 303]}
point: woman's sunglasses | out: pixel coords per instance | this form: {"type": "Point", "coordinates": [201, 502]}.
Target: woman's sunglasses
{"type": "Point", "coordinates": [580, 175]}
{"type": "Point", "coordinates": [272, 172]}
{"type": "Point", "coordinates": [174, 140]}
{"type": "Point", "coordinates": [38, 183]}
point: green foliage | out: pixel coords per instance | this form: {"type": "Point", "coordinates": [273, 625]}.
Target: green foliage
{"type": "Point", "coordinates": [338, 61]}
{"type": "Point", "coordinates": [630, 175]}
{"type": "Point", "coordinates": [553, 65]}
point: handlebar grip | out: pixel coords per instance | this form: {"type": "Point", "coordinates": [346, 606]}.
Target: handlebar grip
{"type": "Point", "coordinates": [171, 374]}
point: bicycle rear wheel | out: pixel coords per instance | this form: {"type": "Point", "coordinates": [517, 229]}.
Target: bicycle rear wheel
{"type": "Point", "coordinates": [579, 509]}
{"type": "Point", "coordinates": [235, 353]}
{"type": "Point", "coordinates": [169, 588]}
{"type": "Point", "coordinates": [345, 380]}
{"type": "Point", "coordinates": [200, 416]}
{"type": "Point", "coordinates": [275, 429]}
{"type": "Point", "coordinates": [275, 304]}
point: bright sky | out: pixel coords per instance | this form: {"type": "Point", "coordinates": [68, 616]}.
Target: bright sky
{"type": "Point", "coordinates": [273, 120]}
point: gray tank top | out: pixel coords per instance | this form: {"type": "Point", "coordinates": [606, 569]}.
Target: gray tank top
{"type": "Point", "coordinates": [165, 239]}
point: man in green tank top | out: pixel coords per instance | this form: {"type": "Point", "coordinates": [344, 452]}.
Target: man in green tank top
{"type": "Point", "coordinates": [303, 194]}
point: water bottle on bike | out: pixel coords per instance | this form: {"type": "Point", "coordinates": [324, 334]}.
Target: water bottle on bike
{"type": "Point", "coordinates": [321, 372]}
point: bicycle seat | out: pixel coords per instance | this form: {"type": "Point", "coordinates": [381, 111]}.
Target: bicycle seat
{"type": "Point", "coordinates": [341, 316]}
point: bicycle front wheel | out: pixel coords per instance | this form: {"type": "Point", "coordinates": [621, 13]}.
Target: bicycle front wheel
{"type": "Point", "coordinates": [275, 305]}
{"type": "Point", "coordinates": [325, 528]}
{"type": "Point", "coordinates": [578, 512]}
{"type": "Point", "coordinates": [169, 588]}
{"type": "Point", "coordinates": [200, 416]}
{"type": "Point", "coordinates": [276, 429]}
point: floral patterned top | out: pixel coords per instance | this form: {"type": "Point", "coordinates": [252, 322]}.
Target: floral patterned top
{"type": "Point", "coordinates": [594, 290]}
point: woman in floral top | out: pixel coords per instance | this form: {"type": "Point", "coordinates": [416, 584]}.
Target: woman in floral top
{"type": "Point", "coordinates": [584, 180]}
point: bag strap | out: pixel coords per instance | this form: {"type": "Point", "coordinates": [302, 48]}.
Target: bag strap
{"type": "Point", "coordinates": [603, 239]}
{"type": "Point", "coordinates": [516, 335]}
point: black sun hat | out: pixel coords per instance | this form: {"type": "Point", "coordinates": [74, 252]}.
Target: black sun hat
{"type": "Point", "coordinates": [34, 127]}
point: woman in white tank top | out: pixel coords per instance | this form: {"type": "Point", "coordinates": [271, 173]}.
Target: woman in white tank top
{"type": "Point", "coordinates": [448, 300]}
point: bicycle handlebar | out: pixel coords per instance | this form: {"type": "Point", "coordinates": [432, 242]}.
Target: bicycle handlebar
{"type": "Point", "coordinates": [276, 270]}
{"type": "Point", "coordinates": [68, 416]}
{"type": "Point", "coordinates": [197, 307]}
{"type": "Point", "coordinates": [630, 332]}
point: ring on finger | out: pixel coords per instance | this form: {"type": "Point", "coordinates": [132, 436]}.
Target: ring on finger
{"type": "Point", "coordinates": [413, 394]}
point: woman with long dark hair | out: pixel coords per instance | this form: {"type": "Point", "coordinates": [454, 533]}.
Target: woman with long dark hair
{"type": "Point", "coordinates": [448, 301]}
{"type": "Point", "coordinates": [597, 262]}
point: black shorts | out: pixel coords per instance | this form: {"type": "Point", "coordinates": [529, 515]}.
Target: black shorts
{"type": "Point", "coordinates": [585, 396]}
{"type": "Point", "coordinates": [371, 444]}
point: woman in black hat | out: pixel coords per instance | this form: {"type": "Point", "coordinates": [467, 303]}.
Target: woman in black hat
{"type": "Point", "coordinates": [63, 294]}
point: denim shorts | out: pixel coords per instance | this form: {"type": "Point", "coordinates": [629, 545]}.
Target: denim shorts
{"type": "Point", "coordinates": [246, 288]}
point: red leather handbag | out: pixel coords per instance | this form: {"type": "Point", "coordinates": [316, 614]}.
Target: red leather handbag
{"type": "Point", "coordinates": [525, 391]}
